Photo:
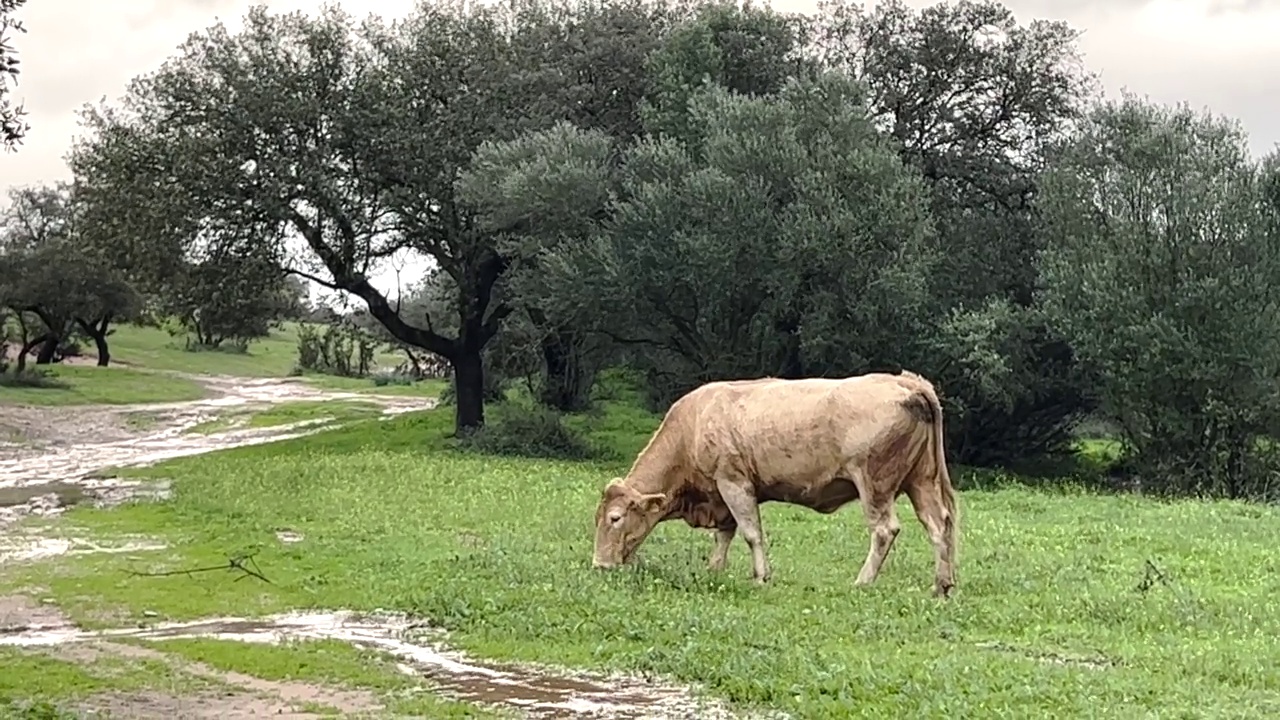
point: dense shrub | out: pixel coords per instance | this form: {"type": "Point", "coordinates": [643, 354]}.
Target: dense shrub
{"type": "Point", "coordinates": [527, 430]}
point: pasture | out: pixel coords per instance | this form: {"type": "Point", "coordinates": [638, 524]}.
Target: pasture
{"type": "Point", "coordinates": [1069, 603]}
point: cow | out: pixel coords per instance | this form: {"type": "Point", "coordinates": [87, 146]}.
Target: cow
{"type": "Point", "coordinates": [727, 446]}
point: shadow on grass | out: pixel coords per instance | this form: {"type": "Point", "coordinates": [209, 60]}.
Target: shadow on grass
{"type": "Point", "coordinates": [37, 379]}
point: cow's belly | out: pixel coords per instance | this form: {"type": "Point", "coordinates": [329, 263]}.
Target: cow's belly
{"type": "Point", "coordinates": [825, 495]}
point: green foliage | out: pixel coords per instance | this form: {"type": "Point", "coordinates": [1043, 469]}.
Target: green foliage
{"type": "Point", "coordinates": [1161, 270]}
{"type": "Point", "coordinates": [227, 297]}
{"type": "Point", "coordinates": [747, 50]}
{"type": "Point", "coordinates": [12, 126]}
{"type": "Point", "coordinates": [536, 193]}
{"type": "Point", "coordinates": [344, 350]}
{"type": "Point", "coordinates": [791, 241]}
{"type": "Point", "coordinates": [54, 276]}
{"type": "Point", "coordinates": [972, 98]}
{"type": "Point", "coordinates": [528, 430]}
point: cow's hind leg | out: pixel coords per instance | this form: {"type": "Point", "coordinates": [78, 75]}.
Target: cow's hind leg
{"type": "Point", "coordinates": [926, 498]}
{"type": "Point", "coordinates": [882, 519]}
{"type": "Point", "coordinates": [746, 511]}
{"type": "Point", "coordinates": [720, 555]}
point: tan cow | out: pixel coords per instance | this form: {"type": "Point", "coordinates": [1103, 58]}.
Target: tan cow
{"type": "Point", "coordinates": [725, 447]}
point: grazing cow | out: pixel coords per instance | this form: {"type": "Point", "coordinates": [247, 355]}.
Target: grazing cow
{"type": "Point", "coordinates": [725, 447]}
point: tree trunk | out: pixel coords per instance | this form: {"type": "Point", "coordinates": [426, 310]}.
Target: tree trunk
{"type": "Point", "coordinates": [48, 350]}
{"type": "Point", "coordinates": [564, 386]}
{"type": "Point", "coordinates": [468, 386]}
{"type": "Point", "coordinates": [98, 331]}
{"type": "Point", "coordinates": [27, 347]}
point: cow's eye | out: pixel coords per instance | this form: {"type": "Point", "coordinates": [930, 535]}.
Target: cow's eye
{"type": "Point", "coordinates": [615, 518]}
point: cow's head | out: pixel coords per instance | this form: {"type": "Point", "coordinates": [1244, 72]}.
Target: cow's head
{"type": "Point", "coordinates": [624, 519]}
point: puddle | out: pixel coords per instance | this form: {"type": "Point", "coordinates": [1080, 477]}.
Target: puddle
{"type": "Point", "coordinates": [58, 473]}
{"type": "Point", "coordinates": [26, 548]}
{"type": "Point", "coordinates": [536, 693]}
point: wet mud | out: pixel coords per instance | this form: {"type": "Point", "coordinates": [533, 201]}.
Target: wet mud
{"type": "Point", "coordinates": [535, 693]}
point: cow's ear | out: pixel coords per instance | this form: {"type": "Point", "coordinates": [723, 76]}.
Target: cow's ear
{"type": "Point", "coordinates": [651, 502]}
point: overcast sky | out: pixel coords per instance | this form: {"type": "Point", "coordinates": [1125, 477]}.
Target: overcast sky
{"type": "Point", "coordinates": [1219, 53]}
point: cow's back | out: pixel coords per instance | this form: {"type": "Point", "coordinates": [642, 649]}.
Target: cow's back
{"type": "Point", "coordinates": [796, 430]}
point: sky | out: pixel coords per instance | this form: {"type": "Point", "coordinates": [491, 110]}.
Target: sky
{"type": "Point", "coordinates": [1213, 53]}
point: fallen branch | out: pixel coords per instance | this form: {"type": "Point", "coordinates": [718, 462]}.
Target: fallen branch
{"type": "Point", "coordinates": [1152, 575]}
{"type": "Point", "coordinates": [245, 564]}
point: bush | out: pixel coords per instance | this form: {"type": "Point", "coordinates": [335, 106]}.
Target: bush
{"type": "Point", "coordinates": [342, 350]}
{"type": "Point", "coordinates": [524, 430]}
{"type": "Point", "coordinates": [384, 378]}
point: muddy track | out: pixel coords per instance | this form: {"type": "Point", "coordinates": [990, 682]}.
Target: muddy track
{"type": "Point", "coordinates": [53, 454]}
{"type": "Point", "coordinates": [536, 692]}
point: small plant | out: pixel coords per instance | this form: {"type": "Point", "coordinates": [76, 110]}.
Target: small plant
{"type": "Point", "coordinates": [382, 379]}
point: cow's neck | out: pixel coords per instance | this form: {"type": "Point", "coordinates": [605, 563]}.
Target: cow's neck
{"type": "Point", "coordinates": [657, 468]}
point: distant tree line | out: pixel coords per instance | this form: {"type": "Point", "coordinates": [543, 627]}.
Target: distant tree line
{"type": "Point", "coordinates": [700, 191]}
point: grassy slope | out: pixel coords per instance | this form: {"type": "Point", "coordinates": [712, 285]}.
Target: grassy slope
{"type": "Point", "coordinates": [497, 550]}
{"type": "Point", "coordinates": [84, 385]}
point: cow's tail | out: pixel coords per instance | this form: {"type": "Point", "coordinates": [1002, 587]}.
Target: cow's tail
{"type": "Point", "coordinates": [943, 476]}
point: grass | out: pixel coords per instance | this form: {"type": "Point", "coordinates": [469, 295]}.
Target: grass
{"type": "Point", "coordinates": [1051, 619]}
{"type": "Point", "coordinates": [155, 349]}
{"type": "Point", "coordinates": [88, 385]}
{"type": "Point", "coordinates": [138, 352]}
{"type": "Point", "coordinates": [273, 356]}
{"type": "Point", "coordinates": [35, 678]}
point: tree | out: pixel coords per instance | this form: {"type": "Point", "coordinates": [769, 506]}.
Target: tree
{"type": "Point", "coordinates": [12, 126]}
{"type": "Point", "coordinates": [1160, 266]}
{"type": "Point", "coordinates": [973, 99]}
{"type": "Point", "coordinates": [534, 193]}
{"type": "Point", "coordinates": [747, 50]}
{"type": "Point", "coordinates": [56, 274]}
{"type": "Point", "coordinates": [349, 140]}
{"type": "Point", "coordinates": [790, 240]}
{"type": "Point", "coordinates": [227, 295]}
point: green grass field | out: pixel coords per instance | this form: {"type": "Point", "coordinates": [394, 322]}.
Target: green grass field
{"type": "Point", "coordinates": [1051, 618]}
{"type": "Point", "coordinates": [88, 385]}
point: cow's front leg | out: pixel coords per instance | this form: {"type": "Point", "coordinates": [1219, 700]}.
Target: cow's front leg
{"type": "Point", "coordinates": [720, 554]}
{"type": "Point", "coordinates": [746, 511]}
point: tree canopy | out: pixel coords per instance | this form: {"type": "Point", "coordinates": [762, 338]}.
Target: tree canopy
{"type": "Point", "coordinates": [707, 190]}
